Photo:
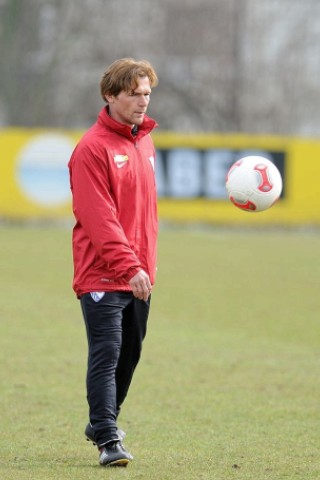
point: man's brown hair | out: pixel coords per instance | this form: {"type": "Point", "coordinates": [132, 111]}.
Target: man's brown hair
{"type": "Point", "coordinates": [123, 74]}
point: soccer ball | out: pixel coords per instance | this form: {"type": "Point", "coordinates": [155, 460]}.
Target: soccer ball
{"type": "Point", "coordinates": [253, 184]}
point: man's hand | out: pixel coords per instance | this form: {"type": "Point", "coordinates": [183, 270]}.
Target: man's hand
{"type": "Point", "coordinates": [141, 285]}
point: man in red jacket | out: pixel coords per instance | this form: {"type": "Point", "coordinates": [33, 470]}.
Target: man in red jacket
{"type": "Point", "coordinates": [113, 187]}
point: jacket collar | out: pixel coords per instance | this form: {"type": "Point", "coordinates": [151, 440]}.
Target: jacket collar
{"type": "Point", "coordinates": [106, 121]}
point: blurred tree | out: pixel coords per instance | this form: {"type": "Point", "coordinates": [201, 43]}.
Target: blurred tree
{"type": "Point", "coordinates": [224, 65]}
{"type": "Point", "coordinates": [26, 64]}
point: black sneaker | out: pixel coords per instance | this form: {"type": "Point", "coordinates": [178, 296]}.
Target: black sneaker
{"type": "Point", "coordinates": [91, 435]}
{"type": "Point", "coordinates": [114, 455]}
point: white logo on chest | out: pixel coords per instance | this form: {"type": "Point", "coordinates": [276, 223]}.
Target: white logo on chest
{"type": "Point", "coordinates": [152, 161]}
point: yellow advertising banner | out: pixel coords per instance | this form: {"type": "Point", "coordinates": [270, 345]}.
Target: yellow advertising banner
{"type": "Point", "coordinates": [299, 162]}
{"type": "Point", "coordinates": [33, 173]}
{"type": "Point", "coordinates": [190, 169]}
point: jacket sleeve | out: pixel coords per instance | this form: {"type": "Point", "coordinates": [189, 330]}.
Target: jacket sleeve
{"type": "Point", "coordinates": [94, 209]}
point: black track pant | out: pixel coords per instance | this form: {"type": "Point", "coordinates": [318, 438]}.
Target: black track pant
{"type": "Point", "coordinates": [116, 326]}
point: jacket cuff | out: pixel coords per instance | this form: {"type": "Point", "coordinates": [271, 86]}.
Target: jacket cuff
{"type": "Point", "coordinates": [131, 273]}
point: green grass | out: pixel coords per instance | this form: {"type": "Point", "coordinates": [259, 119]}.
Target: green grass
{"type": "Point", "coordinates": [228, 385]}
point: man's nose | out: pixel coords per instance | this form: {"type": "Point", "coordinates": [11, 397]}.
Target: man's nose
{"type": "Point", "coordinates": [144, 100]}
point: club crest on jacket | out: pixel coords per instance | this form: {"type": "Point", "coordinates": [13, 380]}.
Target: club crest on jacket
{"type": "Point", "coordinates": [120, 160]}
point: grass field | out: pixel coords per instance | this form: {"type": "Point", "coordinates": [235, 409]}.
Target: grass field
{"type": "Point", "coordinates": [228, 386]}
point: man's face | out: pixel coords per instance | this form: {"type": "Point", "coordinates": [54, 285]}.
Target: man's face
{"type": "Point", "coordinates": [129, 107]}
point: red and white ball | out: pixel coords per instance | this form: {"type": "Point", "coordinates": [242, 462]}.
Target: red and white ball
{"type": "Point", "coordinates": [254, 184]}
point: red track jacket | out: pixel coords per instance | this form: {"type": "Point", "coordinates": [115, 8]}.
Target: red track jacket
{"type": "Point", "coordinates": [114, 202]}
